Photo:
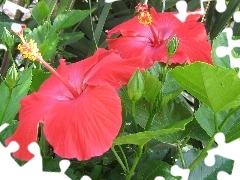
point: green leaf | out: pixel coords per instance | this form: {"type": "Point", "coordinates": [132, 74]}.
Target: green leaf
{"type": "Point", "coordinates": [170, 89]}
{"type": "Point", "coordinates": [155, 70]}
{"type": "Point", "coordinates": [143, 137]}
{"type": "Point", "coordinates": [8, 131]}
{"type": "Point", "coordinates": [231, 128]}
{"type": "Point", "coordinates": [49, 47]}
{"type": "Point", "coordinates": [217, 87]}
{"type": "Point", "coordinates": [234, 132]}
{"type": "Point", "coordinates": [40, 33]}
{"type": "Point", "coordinates": [69, 38]}
{"type": "Point", "coordinates": [223, 18]}
{"type": "Point", "coordinates": [205, 117]}
{"type": "Point", "coordinates": [221, 40]}
{"type": "Point", "coordinates": [4, 23]}
{"type": "Point", "coordinates": [9, 101]}
{"type": "Point", "coordinates": [39, 76]}
{"type": "Point", "coordinates": [69, 18]}
{"type": "Point", "coordinates": [152, 86]}
{"type": "Point", "coordinates": [40, 11]}
{"type": "Point", "coordinates": [236, 29]}
{"type": "Point", "coordinates": [142, 108]}
{"type": "Point", "coordinates": [50, 164]}
{"type": "Point", "coordinates": [63, 5]}
{"type": "Point", "coordinates": [203, 172]}
{"type": "Point", "coordinates": [66, 55]}
{"type": "Point", "coordinates": [152, 168]}
{"type": "Point", "coordinates": [168, 115]}
{"type": "Point", "coordinates": [198, 132]}
{"type": "Point", "coordinates": [46, 39]}
{"type": "Point", "coordinates": [98, 31]}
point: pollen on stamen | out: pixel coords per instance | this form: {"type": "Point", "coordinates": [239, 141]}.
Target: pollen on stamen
{"type": "Point", "coordinates": [29, 50]}
{"type": "Point", "coordinates": [144, 16]}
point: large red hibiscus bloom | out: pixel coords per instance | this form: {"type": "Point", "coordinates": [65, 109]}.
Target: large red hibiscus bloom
{"type": "Point", "coordinates": [77, 125]}
{"type": "Point", "coordinates": [151, 39]}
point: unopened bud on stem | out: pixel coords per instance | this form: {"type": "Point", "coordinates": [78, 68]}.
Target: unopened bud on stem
{"type": "Point", "coordinates": [135, 87]}
{"type": "Point", "coordinates": [11, 77]}
{"type": "Point", "coordinates": [172, 45]}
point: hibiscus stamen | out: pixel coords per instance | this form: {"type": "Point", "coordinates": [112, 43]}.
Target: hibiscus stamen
{"type": "Point", "coordinates": [144, 16]}
{"type": "Point", "coordinates": [30, 50]}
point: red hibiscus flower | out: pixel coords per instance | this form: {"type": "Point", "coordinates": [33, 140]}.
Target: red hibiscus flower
{"type": "Point", "coordinates": [150, 39]}
{"type": "Point", "coordinates": [79, 122]}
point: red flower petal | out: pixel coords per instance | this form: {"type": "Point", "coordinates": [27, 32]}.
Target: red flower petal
{"type": "Point", "coordinates": [114, 70]}
{"type": "Point", "coordinates": [86, 126]}
{"type": "Point", "coordinates": [77, 127]}
{"type": "Point", "coordinates": [73, 73]}
{"type": "Point", "coordinates": [133, 46]}
{"type": "Point", "coordinates": [33, 109]}
{"type": "Point", "coordinates": [194, 45]}
{"type": "Point", "coordinates": [129, 46]}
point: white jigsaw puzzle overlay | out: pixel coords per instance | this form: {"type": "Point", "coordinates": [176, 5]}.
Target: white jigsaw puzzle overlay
{"type": "Point", "coordinates": [33, 169]}
{"type": "Point", "coordinates": [230, 150]}
{"type": "Point", "coordinates": [227, 150]}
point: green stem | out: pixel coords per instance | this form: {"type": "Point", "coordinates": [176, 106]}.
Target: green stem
{"type": "Point", "coordinates": [134, 115]}
{"type": "Point", "coordinates": [181, 156]}
{"type": "Point", "coordinates": [6, 104]}
{"type": "Point", "coordinates": [119, 160]}
{"type": "Point", "coordinates": [202, 155]}
{"type": "Point", "coordinates": [211, 141]}
{"type": "Point", "coordinates": [149, 122]}
{"type": "Point", "coordinates": [124, 157]}
{"type": "Point", "coordinates": [209, 145]}
{"type": "Point", "coordinates": [167, 62]}
{"type": "Point", "coordinates": [11, 57]}
{"type": "Point", "coordinates": [185, 142]}
{"type": "Point", "coordinates": [165, 69]}
{"type": "Point", "coordinates": [137, 158]}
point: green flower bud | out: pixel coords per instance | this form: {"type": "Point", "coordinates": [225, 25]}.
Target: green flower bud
{"type": "Point", "coordinates": [172, 45]}
{"type": "Point", "coordinates": [135, 87]}
{"type": "Point", "coordinates": [11, 77]}
{"type": "Point", "coordinates": [7, 38]}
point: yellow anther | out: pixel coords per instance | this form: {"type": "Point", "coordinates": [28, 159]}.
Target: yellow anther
{"type": "Point", "coordinates": [145, 18]}
{"type": "Point", "coordinates": [29, 50]}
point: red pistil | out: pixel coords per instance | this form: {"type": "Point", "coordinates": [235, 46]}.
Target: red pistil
{"type": "Point", "coordinates": [142, 8]}
{"type": "Point", "coordinates": [155, 40]}
{"type": "Point", "coordinates": [67, 85]}
{"type": "Point", "coordinates": [145, 18]}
